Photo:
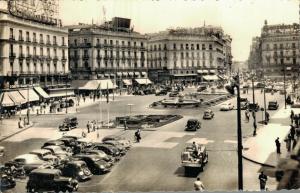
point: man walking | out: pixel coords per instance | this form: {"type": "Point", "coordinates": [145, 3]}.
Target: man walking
{"type": "Point", "coordinates": [198, 185]}
{"type": "Point", "coordinates": [277, 145]}
{"type": "Point", "coordinates": [262, 180]}
{"type": "Point", "coordinates": [88, 126]}
{"type": "Point", "coordinates": [292, 116]}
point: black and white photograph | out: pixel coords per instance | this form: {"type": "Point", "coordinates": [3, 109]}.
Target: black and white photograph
{"type": "Point", "coordinates": [149, 95]}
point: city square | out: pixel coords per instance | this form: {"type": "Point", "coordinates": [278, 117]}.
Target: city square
{"type": "Point", "coordinates": [101, 107]}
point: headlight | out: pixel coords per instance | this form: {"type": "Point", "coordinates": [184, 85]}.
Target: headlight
{"type": "Point", "coordinates": [81, 173]}
{"type": "Point", "coordinates": [102, 167]}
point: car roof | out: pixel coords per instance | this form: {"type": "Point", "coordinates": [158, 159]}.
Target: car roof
{"type": "Point", "coordinates": [27, 155]}
{"type": "Point", "coordinates": [46, 171]}
{"type": "Point", "coordinates": [40, 151]}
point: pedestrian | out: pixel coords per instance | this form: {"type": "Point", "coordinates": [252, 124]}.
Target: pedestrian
{"type": "Point", "coordinates": [262, 180]}
{"type": "Point", "coordinates": [92, 126]}
{"type": "Point", "coordinates": [292, 131]}
{"type": "Point", "coordinates": [88, 126]}
{"type": "Point", "coordinates": [198, 185]}
{"type": "Point", "coordinates": [24, 121]}
{"type": "Point", "coordinates": [84, 99]}
{"type": "Point", "coordinates": [277, 145]}
{"type": "Point", "coordinates": [196, 148]}
{"type": "Point", "coordinates": [247, 115]}
{"type": "Point", "coordinates": [288, 143]}
{"type": "Point", "coordinates": [292, 116]}
{"type": "Point", "coordinates": [138, 135]}
{"type": "Point", "coordinates": [125, 124]}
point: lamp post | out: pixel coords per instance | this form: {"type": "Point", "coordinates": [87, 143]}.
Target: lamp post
{"type": "Point", "coordinates": [284, 90]}
{"type": "Point", "coordinates": [265, 106]}
{"type": "Point", "coordinates": [254, 112]}
{"type": "Point", "coordinates": [230, 89]}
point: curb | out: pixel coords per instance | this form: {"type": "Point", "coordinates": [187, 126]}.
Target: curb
{"type": "Point", "coordinates": [13, 134]}
{"type": "Point", "coordinates": [262, 164]}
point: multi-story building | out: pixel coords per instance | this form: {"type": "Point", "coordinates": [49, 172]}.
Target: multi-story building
{"type": "Point", "coordinates": [188, 55]}
{"type": "Point", "coordinates": [276, 50]}
{"type": "Point", "coordinates": [112, 51]}
{"type": "Point", "coordinates": [33, 48]}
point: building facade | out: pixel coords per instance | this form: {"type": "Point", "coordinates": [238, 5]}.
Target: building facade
{"type": "Point", "coordinates": [31, 52]}
{"type": "Point", "coordinates": [188, 54]}
{"type": "Point", "coordinates": [276, 51]}
{"type": "Point", "coordinates": [109, 51]}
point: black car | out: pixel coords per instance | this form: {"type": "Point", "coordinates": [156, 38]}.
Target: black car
{"type": "Point", "coordinates": [7, 180]}
{"type": "Point", "coordinates": [95, 163]}
{"type": "Point", "coordinates": [174, 94]}
{"type": "Point", "coordinates": [273, 105]}
{"type": "Point", "coordinates": [77, 170]}
{"type": "Point", "coordinates": [71, 143]}
{"type": "Point", "coordinates": [253, 107]}
{"type": "Point", "coordinates": [161, 92]}
{"type": "Point", "coordinates": [44, 180]}
{"type": "Point", "coordinates": [201, 88]}
{"type": "Point", "coordinates": [108, 149]}
{"type": "Point", "coordinates": [68, 124]}
{"type": "Point", "coordinates": [244, 103]}
{"type": "Point", "coordinates": [192, 125]}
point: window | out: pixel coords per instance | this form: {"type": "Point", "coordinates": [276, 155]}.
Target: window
{"type": "Point", "coordinates": [98, 41]}
{"type": "Point", "coordinates": [41, 51]}
{"type": "Point", "coordinates": [11, 33]}
{"type": "Point", "coordinates": [117, 42]}
{"type": "Point", "coordinates": [210, 47]}
{"type": "Point", "coordinates": [294, 60]}
{"type": "Point", "coordinates": [174, 46]}
{"type": "Point", "coordinates": [111, 42]}
{"type": "Point", "coordinates": [63, 41]}
{"type": "Point", "coordinates": [41, 38]}
{"type": "Point", "coordinates": [198, 47]}
{"type": "Point", "coordinates": [34, 37]}
{"type": "Point", "coordinates": [48, 52]}
{"type": "Point", "coordinates": [75, 42]}
{"type": "Point", "coordinates": [181, 55]}
{"type": "Point", "coordinates": [165, 46]}
{"type": "Point", "coordinates": [128, 43]}
{"type": "Point", "coordinates": [34, 51]}
{"type": "Point", "coordinates": [84, 40]}
{"type": "Point", "coordinates": [134, 44]}
{"type": "Point", "coordinates": [11, 49]}
{"type": "Point", "coordinates": [27, 36]}
{"type": "Point", "coordinates": [281, 46]}
{"type": "Point", "coordinates": [63, 53]}
{"type": "Point", "coordinates": [275, 46]}
{"type": "Point", "coordinates": [20, 35]}
{"type": "Point", "coordinates": [20, 50]}
{"type": "Point", "coordinates": [186, 46]}
{"type": "Point", "coordinates": [142, 44]}
{"type": "Point", "coordinates": [48, 39]}
{"type": "Point", "coordinates": [105, 41]}
{"type": "Point", "coordinates": [187, 54]}
{"type": "Point", "coordinates": [181, 46]}
{"type": "Point", "coordinates": [203, 47]}
{"type": "Point", "coordinates": [294, 53]}
{"type": "Point", "coordinates": [192, 46]}
{"type": "Point", "coordinates": [27, 51]}
{"type": "Point", "coordinates": [159, 47]}
{"type": "Point", "coordinates": [123, 43]}
{"type": "Point", "coordinates": [293, 45]}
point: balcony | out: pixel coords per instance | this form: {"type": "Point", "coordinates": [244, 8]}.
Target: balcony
{"type": "Point", "coordinates": [41, 42]}
{"type": "Point", "coordinates": [55, 44]}
{"type": "Point", "coordinates": [35, 57]}
{"type": "Point", "coordinates": [21, 39]}
{"type": "Point", "coordinates": [34, 41]}
{"type": "Point", "coordinates": [13, 73]}
{"type": "Point", "coordinates": [42, 58]}
{"type": "Point", "coordinates": [142, 48]}
{"type": "Point", "coordinates": [64, 45]}
{"type": "Point", "coordinates": [28, 57]}
{"type": "Point", "coordinates": [55, 58]}
{"type": "Point", "coordinates": [21, 56]}
{"type": "Point", "coordinates": [12, 55]}
{"type": "Point", "coordinates": [105, 58]}
{"type": "Point", "coordinates": [28, 40]}
{"type": "Point", "coordinates": [63, 59]}
{"type": "Point", "coordinates": [48, 43]}
{"type": "Point", "coordinates": [12, 38]}
{"type": "Point", "coordinates": [98, 45]}
{"type": "Point", "coordinates": [85, 57]}
{"type": "Point", "coordinates": [86, 45]}
{"type": "Point", "coordinates": [48, 58]}
{"type": "Point", "coordinates": [98, 57]}
{"type": "Point", "coordinates": [165, 58]}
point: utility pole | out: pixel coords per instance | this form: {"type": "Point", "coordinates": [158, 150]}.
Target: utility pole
{"type": "Point", "coordinates": [265, 106]}
{"type": "Point", "coordinates": [254, 112]}
{"type": "Point", "coordinates": [239, 133]}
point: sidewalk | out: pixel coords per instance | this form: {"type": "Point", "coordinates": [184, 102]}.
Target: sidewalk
{"type": "Point", "coordinates": [261, 149]}
{"type": "Point", "coordinates": [14, 129]}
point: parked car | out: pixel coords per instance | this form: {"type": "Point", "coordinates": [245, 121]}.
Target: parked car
{"type": "Point", "coordinates": [95, 164]}
{"type": "Point", "coordinates": [44, 180]}
{"type": "Point", "coordinates": [149, 91]}
{"type": "Point", "coordinates": [174, 94]}
{"type": "Point", "coordinates": [68, 124]}
{"type": "Point", "coordinates": [192, 125]}
{"type": "Point", "coordinates": [71, 143]}
{"type": "Point", "coordinates": [108, 149]}
{"type": "Point", "coordinates": [125, 142]}
{"type": "Point", "coordinates": [57, 143]}
{"type": "Point", "coordinates": [208, 114]}
{"type": "Point", "coordinates": [59, 151]}
{"type": "Point", "coordinates": [122, 149]}
{"type": "Point", "coordinates": [76, 169]}
{"type": "Point", "coordinates": [273, 105]}
{"type": "Point", "coordinates": [227, 106]}
{"type": "Point", "coordinates": [100, 153]}
{"type": "Point", "coordinates": [244, 103]}
{"type": "Point", "coordinates": [46, 155]}
{"type": "Point", "coordinates": [31, 162]}
{"type": "Point", "coordinates": [253, 107]}
{"type": "Point", "coordinates": [161, 92]}
{"type": "Point", "coordinates": [7, 180]}
{"type": "Point", "coordinates": [260, 85]}
{"type": "Point", "coordinates": [201, 88]}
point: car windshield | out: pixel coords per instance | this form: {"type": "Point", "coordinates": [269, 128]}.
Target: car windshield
{"type": "Point", "coordinates": [272, 103]}
{"type": "Point", "coordinates": [54, 148]}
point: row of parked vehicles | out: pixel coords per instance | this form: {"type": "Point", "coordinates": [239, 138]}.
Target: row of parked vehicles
{"type": "Point", "coordinates": [60, 164]}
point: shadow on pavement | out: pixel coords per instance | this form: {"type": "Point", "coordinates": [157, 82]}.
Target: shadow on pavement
{"type": "Point", "coordinates": [190, 173]}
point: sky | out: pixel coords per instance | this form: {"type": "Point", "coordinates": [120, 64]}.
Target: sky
{"type": "Point", "coordinates": [241, 19]}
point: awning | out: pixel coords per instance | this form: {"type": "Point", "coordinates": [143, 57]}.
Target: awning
{"type": "Point", "coordinates": [127, 82]}
{"type": "Point", "coordinates": [32, 95]}
{"type": "Point", "coordinates": [212, 71]}
{"type": "Point", "coordinates": [107, 75]}
{"type": "Point", "coordinates": [136, 73]}
{"type": "Point", "coordinates": [112, 74]}
{"type": "Point", "coordinates": [119, 73]}
{"type": "Point", "coordinates": [41, 92]}
{"type": "Point", "coordinates": [143, 81]}
{"type": "Point", "coordinates": [6, 101]}
{"type": "Point", "coordinates": [63, 92]}
{"type": "Point", "coordinates": [205, 72]}
{"type": "Point", "coordinates": [183, 75]}
{"type": "Point", "coordinates": [211, 77]}
{"type": "Point", "coordinates": [199, 71]}
{"type": "Point", "coordinates": [144, 73]}
{"type": "Point", "coordinates": [221, 77]}
{"type": "Point", "coordinates": [130, 73]}
{"type": "Point", "coordinates": [90, 85]}
{"type": "Point", "coordinates": [106, 84]}
{"type": "Point", "coordinates": [124, 73]}
{"type": "Point", "coordinates": [17, 97]}
{"type": "Point", "coordinates": [100, 75]}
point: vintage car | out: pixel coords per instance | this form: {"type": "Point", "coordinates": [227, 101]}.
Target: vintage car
{"type": "Point", "coordinates": [59, 151]}
{"type": "Point", "coordinates": [57, 143]}
{"type": "Point", "coordinates": [125, 142]}
{"type": "Point", "coordinates": [174, 94]}
{"type": "Point", "coordinates": [7, 180]}
{"type": "Point", "coordinates": [192, 159]}
{"type": "Point", "coordinates": [31, 162]}
{"type": "Point", "coordinates": [192, 125]}
{"type": "Point", "coordinates": [201, 88]}
{"type": "Point", "coordinates": [95, 163]}
{"type": "Point", "coordinates": [118, 145]}
{"type": "Point", "coordinates": [253, 107]}
{"type": "Point", "coordinates": [273, 105]}
{"type": "Point", "coordinates": [45, 180]}
{"type": "Point", "coordinates": [68, 124]}
{"type": "Point", "coordinates": [2, 149]}
{"type": "Point", "coordinates": [227, 106]}
{"type": "Point", "coordinates": [108, 149]}
{"type": "Point", "coordinates": [77, 170]}
{"type": "Point", "coordinates": [161, 92]}
{"type": "Point", "coordinates": [208, 114]}
{"type": "Point", "coordinates": [46, 155]}
{"type": "Point", "coordinates": [100, 153]}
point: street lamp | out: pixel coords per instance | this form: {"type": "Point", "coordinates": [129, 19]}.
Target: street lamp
{"type": "Point", "coordinates": [254, 112]}
{"type": "Point", "coordinates": [230, 88]}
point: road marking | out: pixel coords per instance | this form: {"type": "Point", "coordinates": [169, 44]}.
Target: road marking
{"type": "Point", "coordinates": [203, 141]}
{"type": "Point", "coordinates": [230, 141]}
